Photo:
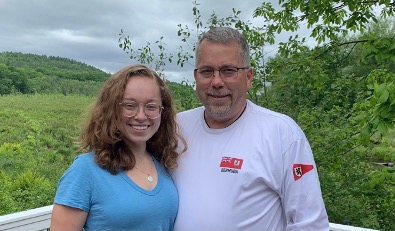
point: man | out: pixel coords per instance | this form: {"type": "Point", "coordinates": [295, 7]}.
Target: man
{"type": "Point", "coordinates": [246, 168]}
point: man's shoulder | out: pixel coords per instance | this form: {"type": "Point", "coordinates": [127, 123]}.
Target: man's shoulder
{"type": "Point", "coordinates": [270, 114]}
{"type": "Point", "coordinates": [267, 116]}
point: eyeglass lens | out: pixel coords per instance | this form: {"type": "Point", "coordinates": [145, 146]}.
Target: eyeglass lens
{"type": "Point", "coordinates": [151, 110]}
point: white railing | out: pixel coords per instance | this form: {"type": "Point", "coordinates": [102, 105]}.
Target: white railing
{"type": "Point", "coordinates": [39, 219]}
{"type": "Point", "coordinates": [30, 220]}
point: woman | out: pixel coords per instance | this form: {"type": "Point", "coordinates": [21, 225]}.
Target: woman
{"type": "Point", "coordinates": [122, 182]}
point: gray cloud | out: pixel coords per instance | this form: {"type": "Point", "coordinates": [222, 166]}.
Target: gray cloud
{"type": "Point", "coordinates": [87, 31]}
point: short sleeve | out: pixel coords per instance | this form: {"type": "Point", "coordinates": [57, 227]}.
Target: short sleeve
{"type": "Point", "coordinates": [75, 186]}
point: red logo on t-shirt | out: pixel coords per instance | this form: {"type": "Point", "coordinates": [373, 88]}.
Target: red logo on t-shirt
{"type": "Point", "coordinates": [300, 169]}
{"type": "Point", "coordinates": [230, 162]}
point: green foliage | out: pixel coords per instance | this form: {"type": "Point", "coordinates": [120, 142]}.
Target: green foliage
{"type": "Point", "coordinates": [352, 197]}
{"type": "Point", "coordinates": [326, 19]}
{"type": "Point", "coordinates": [7, 204]}
{"type": "Point", "coordinates": [146, 55]}
{"type": "Point", "coordinates": [345, 112]}
{"type": "Point", "coordinates": [377, 114]}
{"type": "Point", "coordinates": [184, 96]}
{"type": "Point", "coordinates": [31, 190]}
{"type": "Point", "coordinates": [37, 144]}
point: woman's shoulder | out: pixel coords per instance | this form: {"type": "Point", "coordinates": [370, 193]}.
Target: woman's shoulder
{"type": "Point", "coordinates": [85, 156]}
{"type": "Point", "coordinates": [84, 159]}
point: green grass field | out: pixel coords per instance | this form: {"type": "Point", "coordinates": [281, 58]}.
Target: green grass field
{"type": "Point", "coordinates": [38, 135]}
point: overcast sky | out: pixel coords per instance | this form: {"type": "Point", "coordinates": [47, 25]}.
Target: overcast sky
{"type": "Point", "coordinates": [88, 30]}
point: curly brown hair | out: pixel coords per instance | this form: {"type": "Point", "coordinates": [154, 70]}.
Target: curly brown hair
{"type": "Point", "coordinates": [101, 132]}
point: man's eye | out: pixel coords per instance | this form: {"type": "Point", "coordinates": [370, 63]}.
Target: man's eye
{"type": "Point", "coordinates": [229, 70]}
{"type": "Point", "coordinates": [206, 72]}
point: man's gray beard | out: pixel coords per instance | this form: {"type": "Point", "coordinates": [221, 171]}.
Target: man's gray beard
{"type": "Point", "coordinates": [218, 111]}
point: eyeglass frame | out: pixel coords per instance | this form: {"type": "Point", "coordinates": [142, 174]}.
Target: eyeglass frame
{"type": "Point", "coordinates": [219, 72]}
{"type": "Point", "coordinates": [161, 108]}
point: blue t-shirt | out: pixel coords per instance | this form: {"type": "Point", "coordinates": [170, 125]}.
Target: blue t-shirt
{"type": "Point", "coordinates": [115, 202]}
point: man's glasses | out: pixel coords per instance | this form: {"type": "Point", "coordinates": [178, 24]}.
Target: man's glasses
{"type": "Point", "coordinates": [131, 108]}
{"type": "Point", "coordinates": [225, 73]}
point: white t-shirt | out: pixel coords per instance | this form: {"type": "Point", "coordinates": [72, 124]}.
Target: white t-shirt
{"type": "Point", "coordinates": [256, 174]}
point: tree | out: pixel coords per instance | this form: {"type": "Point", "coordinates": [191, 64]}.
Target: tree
{"type": "Point", "coordinates": [328, 19]}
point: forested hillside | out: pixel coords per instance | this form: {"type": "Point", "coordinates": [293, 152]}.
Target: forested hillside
{"type": "Point", "coordinates": [31, 73]}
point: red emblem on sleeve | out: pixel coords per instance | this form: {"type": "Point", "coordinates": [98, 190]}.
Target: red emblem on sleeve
{"type": "Point", "coordinates": [300, 169]}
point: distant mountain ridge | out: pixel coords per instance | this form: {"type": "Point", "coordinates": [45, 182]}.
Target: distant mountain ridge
{"type": "Point", "coordinates": [32, 73]}
{"type": "Point", "coordinates": [50, 65]}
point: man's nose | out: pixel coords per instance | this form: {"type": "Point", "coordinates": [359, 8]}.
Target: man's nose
{"type": "Point", "coordinates": [217, 80]}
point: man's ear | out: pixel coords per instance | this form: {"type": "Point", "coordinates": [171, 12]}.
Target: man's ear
{"type": "Point", "coordinates": [250, 75]}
